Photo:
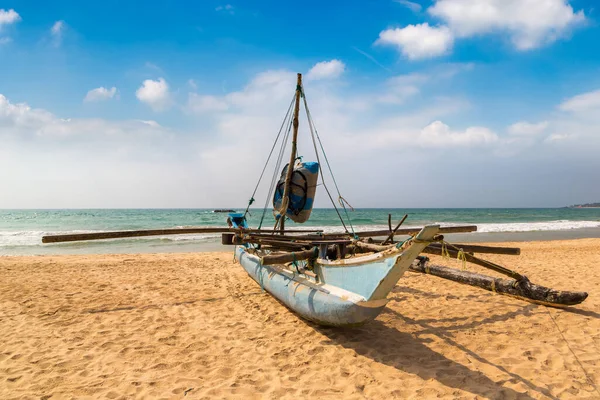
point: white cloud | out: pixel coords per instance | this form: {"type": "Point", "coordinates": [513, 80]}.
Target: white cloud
{"type": "Point", "coordinates": [20, 120]}
{"type": "Point", "coordinates": [583, 102]}
{"type": "Point", "coordinates": [142, 164]}
{"type": "Point", "coordinates": [227, 8]}
{"type": "Point", "coordinates": [151, 123]}
{"type": "Point", "coordinates": [100, 94]}
{"type": "Point", "coordinates": [57, 32]}
{"type": "Point", "coordinates": [202, 104]}
{"type": "Point", "coordinates": [529, 23]}
{"type": "Point", "coordinates": [412, 6]}
{"type": "Point", "coordinates": [155, 93]}
{"type": "Point", "coordinates": [418, 41]}
{"type": "Point", "coordinates": [557, 137]}
{"type": "Point", "coordinates": [326, 70]}
{"type": "Point", "coordinates": [438, 134]}
{"type": "Point", "coordinates": [524, 128]}
{"type": "Point", "coordinates": [8, 17]}
{"type": "Point", "coordinates": [266, 89]}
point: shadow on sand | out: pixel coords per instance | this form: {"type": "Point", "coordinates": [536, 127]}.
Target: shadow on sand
{"type": "Point", "coordinates": [409, 353]}
{"type": "Point", "coordinates": [585, 313]}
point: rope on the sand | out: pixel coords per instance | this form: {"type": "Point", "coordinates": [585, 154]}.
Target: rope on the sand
{"type": "Point", "coordinates": [572, 352]}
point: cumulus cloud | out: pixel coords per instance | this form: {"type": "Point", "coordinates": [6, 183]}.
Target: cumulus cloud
{"type": "Point", "coordinates": [524, 128]}
{"type": "Point", "coordinates": [583, 102]}
{"type": "Point", "coordinates": [326, 70]}
{"type": "Point", "coordinates": [100, 94]}
{"type": "Point", "coordinates": [529, 23]}
{"type": "Point", "coordinates": [153, 166]}
{"type": "Point", "coordinates": [418, 41]}
{"type": "Point", "coordinates": [8, 17]}
{"type": "Point", "coordinates": [155, 93]}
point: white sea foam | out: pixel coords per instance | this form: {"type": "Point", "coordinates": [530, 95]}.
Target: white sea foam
{"type": "Point", "coordinates": [10, 239]}
{"type": "Point", "coordinates": [561, 225]}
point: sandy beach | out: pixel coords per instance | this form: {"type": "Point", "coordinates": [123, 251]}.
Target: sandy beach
{"type": "Point", "coordinates": [196, 326]}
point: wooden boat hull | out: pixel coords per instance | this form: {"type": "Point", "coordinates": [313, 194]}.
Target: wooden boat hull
{"type": "Point", "coordinates": [320, 303]}
{"type": "Point", "coordinates": [346, 292]}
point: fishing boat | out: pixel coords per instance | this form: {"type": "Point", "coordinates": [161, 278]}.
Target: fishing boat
{"type": "Point", "coordinates": [344, 278]}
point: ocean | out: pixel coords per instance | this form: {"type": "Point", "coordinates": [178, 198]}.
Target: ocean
{"type": "Point", "coordinates": [21, 230]}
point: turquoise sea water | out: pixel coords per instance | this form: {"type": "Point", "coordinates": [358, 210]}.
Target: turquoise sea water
{"type": "Point", "coordinates": [21, 230]}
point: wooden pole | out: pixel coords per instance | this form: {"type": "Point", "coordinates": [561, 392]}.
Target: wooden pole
{"type": "Point", "coordinates": [473, 248]}
{"type": "Point", "coordinates": [436, 248]}
{"type": "Point", "coordinates": [391, 237]}
{"type": "Point", "coordinates": [290, 170]}
{"type": "Point", "coordinates": [154, 232]}
{"type": "Point", "coordinates": [407, 231]}
{"type": "Point", "coordinates": [474, 260]}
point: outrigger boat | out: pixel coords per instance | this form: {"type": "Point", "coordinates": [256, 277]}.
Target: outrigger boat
{"type": "Point", "coordinates": [341, 279]}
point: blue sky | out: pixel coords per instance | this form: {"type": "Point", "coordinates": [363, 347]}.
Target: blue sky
{"type": "Point", "coordinates": [444, 103]}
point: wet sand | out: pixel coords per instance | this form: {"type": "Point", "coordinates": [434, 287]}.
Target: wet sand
{"type": "Point", "coordinates": [196, 326]}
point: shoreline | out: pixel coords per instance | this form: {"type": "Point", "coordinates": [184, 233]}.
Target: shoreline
{"type": "Point", "coordinates": [206, 245]}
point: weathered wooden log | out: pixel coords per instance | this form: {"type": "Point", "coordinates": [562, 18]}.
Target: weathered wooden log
{"type": "Point", "coordinates": [153, 232]}
{"type": "Point", "coordinates": [522, 289]}
{"type": "Point", "coordinates": [284, 258]}
{"type": "Point", "coordinates": [471, 248]}
{"type": "Point", "coordinates": [474, 260]}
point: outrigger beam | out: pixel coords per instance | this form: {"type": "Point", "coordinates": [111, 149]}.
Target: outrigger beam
{"type": "Point", "coordinates": [522, 289]}
{"type": "Point", "coordinates": [159, 232]}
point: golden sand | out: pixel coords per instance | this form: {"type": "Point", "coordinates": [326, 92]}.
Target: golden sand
{"type": "Point", "coordinates": [196, 326]}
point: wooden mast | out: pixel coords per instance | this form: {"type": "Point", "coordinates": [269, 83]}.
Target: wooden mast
{"type": "Point", "coordinates": [290, 170]}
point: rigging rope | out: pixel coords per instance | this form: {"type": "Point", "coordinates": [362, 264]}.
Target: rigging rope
{"type": "Point", "coordinates": [314, 133]}
{"type": "Point", "coordinates": [288, 121]}
{"type": "Point", "coordinates": [268, 158]}
{"type": "Point", "coordinates": [277, 165]}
